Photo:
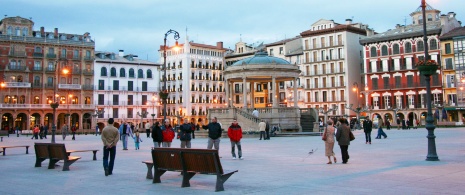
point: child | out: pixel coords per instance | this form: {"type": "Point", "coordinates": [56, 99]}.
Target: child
{"type": "Point", "coordinates": [137, 139]}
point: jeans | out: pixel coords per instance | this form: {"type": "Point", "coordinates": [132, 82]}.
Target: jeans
{"type": "Point", "coordinates": [262, 133]}
{"type": "Point", "coordinates": [148, 132]}
{"type": "Point", "coordinates": [112, 153]}
{"type": "Point", "coordinates": [233, 147]}
{"type": "Point", "coordinates": [124, 138]}
{"type": "Point", "coordinates": [167, 144]}
{"type": "Point", "coordinates": [45, 134]}
{"type": "Point", "coordinates": [368, 136]}
{"type": "Point", "coordinates": [74, 134]}
{"type": "Point", "coordinates": [267, 134]}
{"type": "Point", "coordinates": [381, 133]}
{"type": "Point", "coordinates": [186, 144]}
{"type": "Point", "coordinates": [215, 142]}
{"type": "Point", "coordinates": [136, 144]}
{"type": "Point", "coordinates": [157, 144]}
{"type": "Point", "coordinates": [344, 153]}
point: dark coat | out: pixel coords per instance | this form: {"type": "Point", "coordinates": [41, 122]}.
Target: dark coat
{"type": "Point", "coordinates": [342, 135]}
{"type": "Point", "coordinates": [214, 130]}
{"type": "Point", "coordinates": [157, 134]}
{"type": "Point", "coordinates": [367, 126]}
{"type": "Point", "coordinates": [186, 131]}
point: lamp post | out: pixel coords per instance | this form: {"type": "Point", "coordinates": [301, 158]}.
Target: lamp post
{"type": "Point", "coordinates": [366, 93]}
{"type": "Point", "coordinates": [431, 156]}
{"type": "Point", "coordinates": [164, 97]}
{"type": "Point", "coordinates": [355, 89]}
{"type": "Point", "coordinates": [335, 107]}
{"type": "Point", "coordinates": [55, 103]}
{"type": "Point", "coordinates": [357, 110]}
{"type": "Point", "coordinates": [142, 115]}
{"type": "Point", "coordinates": [153, 101]}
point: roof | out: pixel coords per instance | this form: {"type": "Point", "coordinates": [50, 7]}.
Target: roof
{"type": "Point", "coordinates": [281, 42]}
{"type": "Point", "coordinates": [456, 32]}
{"type": "Point", "coordinates": [126, 59]}
{"type": "Point", "coordinates": [337, 28]}
{"type": "Point", "coordinates": [261, 58]}
{"type": "Point", "coordinates": [404, 32]}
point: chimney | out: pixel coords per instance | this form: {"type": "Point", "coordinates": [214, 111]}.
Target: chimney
{"type": "Point", "coordinates": [219, 45]}
{"type": "Point", "coordinates": [348, 21]}
{"type": "Point", "coordinates": [451, 14]}
{"type": "Point", "coordinates": [121, 53]}
{"type": "Point", "coordinates": [444, 19]}
{"type": "Point", "coordinates": [56, 33]}
{"type": "Point", "coordinates": [42, 31]}
{"type": "Point", "coordinates": [398, 26]}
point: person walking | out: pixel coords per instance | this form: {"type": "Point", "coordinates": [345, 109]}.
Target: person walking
{"type": "Point", "coordinates": [36, 132]}
{"type": "Point", "coordinates": [408, 123]}
{"type": "Point", "coordinates": [329, 141]}
{"type": "Point", "coordinates": [235, 136]}
{"type": "Point", "coordinates": [64, 131]}
{"type": "Point", "coordinates": [398, 123]}
{"type": "Point", "coordinates": [185, 134]}
{"type": "Point", "coordinates": [380, 129]}
{"type": "Point", "coordinates": [404, 126]}
{"type": "Point", "coordinates": [262, 128]}
{"type": "Point", "coordinates": [73, 130]}
{"type": "Point", "coordinates": [41, 131]}
{"type": "Point", "coordinates": [110, 137]}
{"type": "Point", "coordinates": [147, 129]}
{"type": "Point", "coordinates": [96, 130]}
{"type": "Point", "coordinates": [214, 134]}
{"type": "Point", "coordinates": [343, 139]}
{"type": "Point", "coordinates": [45, 131]}
{"type": "Point", "coordinates": [193, 129]}
{"type": "Point", "coordinates": [415, 123]}
{"type": "Point", "coordinates": [367, 128]}
{"type": "Point", "coordinates": [267, 130]}
{"type": "Point", "coordinates": [168, 134]}
{"type": "Point", "coordinates": [137, 140]}
{"type": "Point", "coordinates": [157, 135]}
{"type": "Point", "coordinates": [125, 131]}
{"type": "Point", "coordinates": [388, 124]}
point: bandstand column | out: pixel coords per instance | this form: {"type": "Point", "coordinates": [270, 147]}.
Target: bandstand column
{"type": "Point", "coordinates": [252, 98]}
{"type": "Point", "coordinates": [295, 92]}
{"type": "Point", "coordinates": [228, 93]}
{"type": "Point", "coordinates": [275, 95]}
{"type": "Point", "coordinates": [244, 93]}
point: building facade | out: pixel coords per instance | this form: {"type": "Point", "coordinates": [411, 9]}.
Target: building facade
{"type": "Point", "coordinates": [126, 88]}
{"type": "Point", "coordinates": [38, 68]}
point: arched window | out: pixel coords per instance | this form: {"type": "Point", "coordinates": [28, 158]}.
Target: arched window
{"type": "Point", "coordinates": [113, 72]}
{"type": "Point", "coordinates": [25, 31]}
{"type": "Point", "coordinates": [420, 46]}
{"type": "Point", "coordinates": [373, 52]}
{"type": "Point", "coordinates": [74, 100]}
{"type": "Point", "coordinates": [87, 100]}
{"type": "Point", "coordinates": [384, 50]}
{"type": "Point", "coordinates": [13, 64]}
{"type": "Point", "coordinates": [140, 73]}
{"type": "Point", "coordinates": [430, 17]}
{"type": "Point", "coordinates": [36, 100]}
{"type": "Point", "coordinates": [131, 73]}
{"type": "Point", "coordinates": [37, 81]}
{"type": "Point", "coordinates": [433, 44]}
{"type": "Point", "coordinates": [17, 31]}
{"type": "Point", "coordinates": [149, 74]}
{"type": "Point", "coordinates": [19, 78]}
{"type": "Point", "coordinates": [408, 47]}
{"type": "Point", "coordinates": [103, 71]}
{"type": "Point", "coordinates": [395, 49]}
{"type": "Point", "coordinates": [122, 72]}
{"type": "Point", "coordinates": [9, 30]}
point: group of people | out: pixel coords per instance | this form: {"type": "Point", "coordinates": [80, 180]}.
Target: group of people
{"type": "Point", "coordinates": [341, 134]}
{"type": "Point", "coordinates": [38, 131]}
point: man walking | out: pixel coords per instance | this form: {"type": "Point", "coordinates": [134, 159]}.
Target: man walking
{"type": "Point", "coordinates": [147, 129]}
{"type": "Point", "coordinates": [235, 136]}
{"type": "Point", "coordinates": [109, 137]}
{"type": "Point", "coordinates": [367, 128]}
{"type": "Point", "coordinates": [45, 131]}
{"type": "Point", "coordinates": [214, 133]}
{"type": "Point", "coordinates": [125, 131]}
{"type": "Point", "coordinates": [64, 131]}
{"type": "Point", "coordinates": [185, 134]}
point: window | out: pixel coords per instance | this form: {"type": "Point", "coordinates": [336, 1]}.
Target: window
{"type": "Point", "coordinates": [130, 86]}
{"type": "Point", "coordinates": [36, 100]}
{"type": "Point", "coordinates": [386, 82]}
{"type": "Point", "coordinates": [115, 99]}
{"type": "Point", "coordinates": [398, 81]}
{"type": "Point", "coordinates": [101, 84]}
{"type": "Point", "coordinates": [9, 30]}
{"type": "Point", "coordinates": [36, 81]}
{"type": "Point", "coordinates": [87, 100]}
{"type": "Point", "coordinates": [373, 52]}
{"type": "Point", "coordinates": [384, 50]}
{"type": "Point", "coordinates": [122, 72]}
{"type": "Point", "coordinates": [433, 44]}
{"type": "Point", "coordinates": [409, 80]}
{"type": "Point", "coordinates": [37, 65]}
{"type": "Point", "coordinates": [144, 85]}
{"type": "Point", "coordinates": [50, 82]}
{"type": "Point", "coordinates": [399, 102]}
{"type": "Point", "coordinates": [131, 73]}
{"type": "Point", "coordinates": [113, 72]}
{"type": "Point", "coordinates": [115, 113]}
{"type": "Point", "coordinates": [387, 101]}
{"type": "Point", "coordinates": [448, 48]}
{"type": "Point", "coordinates": [420, 46]}
{"type": "Point", "coordinates": [149, 74]}
{"type": "Point", "coordinates": [411, 101]}
{"type": "Point", "coordinates": [130, 113]}
{"type": "Point", "coordinates": [101, 99]}
{"type": "Point", "coordinates": [281, 50]}
{"type": "Point", "coordinates": [395, 49]}
{"type": "Point", "coordinates": [408, 47]}
{"type": "Point", "coordinates": [37, 50]}
{"type": "Point", "coordinates": [140, 73]}
{"type": "Point", "coordinates": [144, 99]}
{"type": "Point", "coordinates": [87, 54]}
{"type": "Point", "coordinates": [130, 100]}
{"type": "Point", "coordinates": [103, 71]}
{"type": "Point", "coordinates": [271, 52]}
{"type": "Point", "coordinates": [76, 54]}
{"type": "Point", "coordinates": [430, 18]}
{"type": "Point", "coordinates": [375, 83]}
{"type": "Point", "coordinates": [63, 53]}
{"type": "Point", "coordinates": [116, 85]}
{"type": "Point", "coordinates": [25, 31]}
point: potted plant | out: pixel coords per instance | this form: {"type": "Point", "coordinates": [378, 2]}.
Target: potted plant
{"type": "Point", "coordinates": [427, 68]}
{"type": "Point", "coordinates": [164, 94]}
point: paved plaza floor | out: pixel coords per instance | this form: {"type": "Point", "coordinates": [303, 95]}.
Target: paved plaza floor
{"type": "Point", "coordinates": [282, 165]}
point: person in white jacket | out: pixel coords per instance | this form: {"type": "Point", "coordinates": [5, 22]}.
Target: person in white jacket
{"type": "Point", "coordinates": [261, 128]}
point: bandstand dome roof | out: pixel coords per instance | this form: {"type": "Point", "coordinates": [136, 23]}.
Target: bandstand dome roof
{"type": "Point", "coordinates": [261, 58]}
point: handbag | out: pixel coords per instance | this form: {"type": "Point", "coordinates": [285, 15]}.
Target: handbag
{"type": "Point", "coordinates": [324, 136]}
{"type": "Point", "coordinates": [351, 136]}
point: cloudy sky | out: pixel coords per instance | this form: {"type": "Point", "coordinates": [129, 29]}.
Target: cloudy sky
{"type": "Point", "coordinates": [138, 26]}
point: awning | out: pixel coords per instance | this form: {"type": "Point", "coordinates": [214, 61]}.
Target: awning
{"type": "Point", "coordinates": [454, 108]}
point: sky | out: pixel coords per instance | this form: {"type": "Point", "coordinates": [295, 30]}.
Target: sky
{"type": "Point", "coordinates": [139, 26]}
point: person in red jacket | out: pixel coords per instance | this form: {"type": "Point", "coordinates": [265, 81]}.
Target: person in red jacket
{"type": "Point", "coordinates": [235, 135]}
{"type": "Point", "coordinates": [168, 134]}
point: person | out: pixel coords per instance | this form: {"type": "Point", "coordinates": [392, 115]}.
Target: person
{"type": "Point", "coordinates": [157, 135]}
{"type": "Point", "coordinates": [125, 131]}
{"type": "Point", "coordinates": [147, 129]}
{"type": "Point", "coordinates": [41, 133]}
{"type": "Point", "coordinates": [193, 129]}
{"type": "Point", "coordinates": [185, 134]}
{"type": "Point", "coordinates": [329, 142]}
{"type": "Point", "coordinates": [267, 131]}
{"type": "Point", "coordinates": [320, 124]}
{"type": "Point", "coordinates": [380, 129]}
{"type": "Point", "coordinates": [64, 131]}
{"type": "Point", "coordinates": [168, 134]}
{"type": "Point", "coordinates": [96, 130]}
{"type": "Point", "coordinates": [261, 128]}
{"type": "Point", "coordinates": [137, 139]}
{"type": "Point", "coordinates": [388, 124]}
{"type": "Point", "coordinates": [214, 133]}
{"type": "Point", "coordinates": [73, 130]}
{"type": "Point", "coordinates": [235, 136]}
{"type": "Point", "coordinates": [408, 124]}
{"type": "Point", "coordinates": [415, 123]}
{"type": "Point", "coordinates": [109, 138]}
{"type": "Point", "coordinates": [36, 132]}
{"type": "Point", "coordinates": [398, 123]}
{"type": "Point", "coordinates": [45, 131]}
{"type": "Point", "coordinates": [403, 124]}
{"type": "Point", "coordinates": [255, 112]}
{"type": "Point", "coordinates": [367, 128]}
{"type": "Point", "coordinates": [343, 139]}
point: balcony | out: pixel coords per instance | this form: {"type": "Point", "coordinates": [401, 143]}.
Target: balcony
{"type": "Point", "coordinates": [37, 85]}
{"type": "Point", "coordinates": [63, 57]}
{"type": "Point", "coordinates": [17, 54]}
{"type": "Point", "coordinates": [51, 56]}
{"type": "Point", "coordinates": [69, 86]}
{"type": "Point", "coordinates": [87, 87]}
{"type": "Point", "coordinates": [17, 85]}
{"type": "Point", "coordinates": [88, 72]}
{"type": "Point", "coordinates": [76, 57]}
{"type": "Point", "coordinates": [324, 45]}
{"type": "Point", "coordinates": [76, 71]}
{"type": "Point", "coordinates": [16, 68]}
{"type": "Point", "coordinates": [88, 58]}
{"type": "Point", "coordinates": [37, 55]}
{"type": "Point", "coordinates": [37, 69]}
{"type": "Point", "coordinates": [50, 69]}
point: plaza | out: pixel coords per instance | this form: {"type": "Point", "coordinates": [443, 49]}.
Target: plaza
{"type": "Point", "coordinates": [282, 165]}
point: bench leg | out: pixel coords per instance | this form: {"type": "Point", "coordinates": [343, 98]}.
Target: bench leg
{"type": "Point", "coordinates": [186, 176]}
{"type": "Point", "coordinates": [95, 155]}
{"type": "Point", "coordinates": [51, 164]}
{"type": "Point", "coordinates": [4, 151]}
{"type": "Point", "coordinates": [68, 163]}
{"type": "Point", "coordinates": [27, 149]}
{"type": "Point", "coordinates": [39, 162]}
{"type": "Point", "coordinates": [158, 174]}
{"type": "Point", "coordinates": [149, 171]}
{"type": "Point", "coordinates": [220, 179]}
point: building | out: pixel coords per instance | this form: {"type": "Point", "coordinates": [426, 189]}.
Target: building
{"type": "Point", "coordinates": [195, 80]}
{"type": "Point", "coordinates": [453, 67]}
{"type": "Point", "coordinates": [35, 64]}
{"type": "Point", "coordinates": [332, 59]}
{"type": "Point", "coordinates": [395, 87]}
{"type": "Point", "coordinates": [126, 88]}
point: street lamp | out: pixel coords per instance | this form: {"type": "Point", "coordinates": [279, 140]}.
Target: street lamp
{"type": "Point", "coordinates": [153, 101]}
{"type": "Point", "coordinates": [431, 156]}
{"type": "Point", "coordinates": [335, 107]}
{"type": "Point", "coordinates": [355, 89]}
{"type": "Point", "coordinates": [366, 93]}
{"type": "Point", "coordinates": [164, 93]}
{"type": "Point", "coordinates": [55, 103]}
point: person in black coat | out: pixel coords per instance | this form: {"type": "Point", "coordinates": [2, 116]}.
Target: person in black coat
{"type": "Point", "coordinates": [185, 134]}
{"type": "Point", "coordinates": [367, 128]}
{"type": "Point", "coordinates": [214, 133]}
{"type": "Point", "coordinates": [157, 135]}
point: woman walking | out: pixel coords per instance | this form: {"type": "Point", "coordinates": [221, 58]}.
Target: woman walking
{"type": "Point", "coordinates": [329, 142]}
{"type": "Point", "coordinates": [343, 139]}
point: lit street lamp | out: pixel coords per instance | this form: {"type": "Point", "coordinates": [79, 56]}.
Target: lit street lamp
{"type": "Point", "coordinates": [54, 103]}
{"type": "Point", "coordinates": [153, 101]}
{"type": "Point", "coordinates": [142, 116]}
{"type": "Point", "coordinates": [164, 92]}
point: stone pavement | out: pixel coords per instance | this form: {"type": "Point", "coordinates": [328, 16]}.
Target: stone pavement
{"type": "Point", "coordinates": [282, 165]}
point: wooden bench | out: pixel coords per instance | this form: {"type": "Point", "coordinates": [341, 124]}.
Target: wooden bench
{"type": "Point", "coordinates": [94, 151]}
{"type": "Point", "coordinates": [58, 152]}
{"type": "Point", "coordinates": [189, 162]}
{"type": "Point", "coordinates": [41, 150]}
{"type": "Point", "coordinates": [5, 147]}
{"type": "Point", "coordinates": [149, 164]}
